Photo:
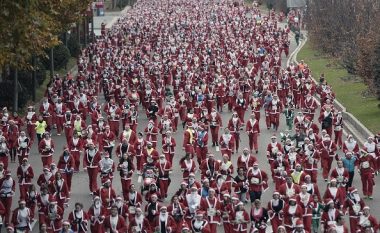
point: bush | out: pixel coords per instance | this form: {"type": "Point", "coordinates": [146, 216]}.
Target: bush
{"type": "Point", "coordinates": [61, 57]}
{"type": "Point", "coordinates": [73, 46]}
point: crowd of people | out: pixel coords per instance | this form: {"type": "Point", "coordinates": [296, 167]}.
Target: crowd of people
{"type": "Point", "coordinates": [184, 65]}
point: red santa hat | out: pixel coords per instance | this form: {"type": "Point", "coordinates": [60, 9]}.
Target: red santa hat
{"type": "Point", "coordinates": [352, 189]}
{"type": "Point", "coordinates": [66, 223]}
{"type": "Point", "coordinates": [255, 164]}
{"type": "Point", "coordinates": [163, 208]}
{"type": "Point", "coordinates": [299, 223]}
{"type": "Point", "coordinates": [273, 136]}
{"type": "Point", "coordinates": [21, 201]}
{"type": "Point", "coordinates": [366, 207]}
{"type": "Point", "coordinates": [183, 183]}
{"type": "Point", "coordinates": [235, 197]}
{"type": "Point", "coordinates": [189, 124]}
{"type": "Point", "coordinates": [52, 200]}
{"type": "Point", "coordinates": [200, 213]}
{"type": "Point", "coordinates": [10, 227]}
{"type": "Point", "coordinates": [192, 174]}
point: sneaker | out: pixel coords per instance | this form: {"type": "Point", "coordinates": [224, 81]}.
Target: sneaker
{"type": "Point", "coordinates": [370, 197]}
{"type": "Point", "coordinates": [91, 193]}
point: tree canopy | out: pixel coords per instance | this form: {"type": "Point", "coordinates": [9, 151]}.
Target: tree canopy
{"type": "Point", "coordinates": [29, 27]}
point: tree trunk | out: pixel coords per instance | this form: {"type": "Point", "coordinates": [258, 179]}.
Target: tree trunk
{"type": "Point", "coordinates": [34, 78]}
{"type": "Point", "coordinates": [15, 90]}
{"type": "Point", "coordinates": [51, 63]}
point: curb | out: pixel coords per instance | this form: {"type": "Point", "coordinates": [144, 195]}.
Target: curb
{"type": "Point", "coordinates": [351, 124]}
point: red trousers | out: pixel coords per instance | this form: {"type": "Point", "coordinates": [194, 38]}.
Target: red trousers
{"type": "Point", "coordinates": [125, 183]}
{"type": "Point", "coordinates": [4, 159]}
{"type": "Point", "coordinates": [92, 178]}
{"type": "Point", "coordinates": [354, 220]}
{"type": "Point", "coordinates": [241, 112]}
{"type": "Point", "coordinates": [237, 141]}
{"type": "Point", "coordinates": [7, 203]}
{"type": "Point", "coordinates": [227, 152]}
{"type": "Point", "coordinates": [59, 122]}
{"type": "Point", "coordinates": [68, 133]}
{"type": "Point", "coordinates": [164, 185]}
{"type": "Point", "coordinates": [47, 160]}
{"type": "Point", "coordinates": [31, 132]}
{"type": "Point", "coordinates": [219, 103]}
{"type": "Point", "coordinates": [307, 223]}
{"type": "Point", "coordinates": [228, 227]}
{"type": "Point", "coordinates": [138, 163]}
{"type": "Point", "coordinates": [114, 127]}
{"type": "Point", "coordinates": [326, 166]}
{"type": "Point", "coordinates": [23, 190]}
{"type": "Point", "coordinates": [213, 227]}
{"type": "Point", "coordinates": [275, 119]}
{"type": "Point", "coordinates": [214, 134]}
{"type": "Point", "coordinates": [275, 222]}
{"type": "Point", "coordinates": [201, 153]}
{"type": "Point", "coordinates": [367, 182]}
{"type": "Point", "coordinates": [252, 138]}
{"type": "Point", "coordinates": [68, 177]}
{"type": "Point", "coordinates": [76, 155]}
{"type": "Point", "coordinates": [313, 174]}
{"type": "Point", "coordinates": [338, 138]}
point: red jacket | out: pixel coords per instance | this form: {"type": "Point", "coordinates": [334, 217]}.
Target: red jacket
{"type": "Point", "coordinates": [120, 225]}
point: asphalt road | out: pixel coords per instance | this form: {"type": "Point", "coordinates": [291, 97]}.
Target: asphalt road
{"type": "Point", "coordinates": [80, 192]}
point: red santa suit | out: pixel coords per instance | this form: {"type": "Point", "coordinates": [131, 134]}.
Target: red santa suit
{"type": "Point", "coordinates": [305, 201]}
{"type": "Point", "coordinates": [91, 163]}
{"type": "Point", "coordinates": [212, 209]}
{"type": "Point", "coordinates": [114, 114]}
{"type": "Point", "coordinates": [46, 110]}
{"type": "Point", "coordinates": [168, 147]}
{"type": "Point", "coordinates": [97, 214]}
{"type": "Point", "coordinates": [151, 133]}
{"type": "Point", "coordinates": [241, 219]}
{"type": "Point", "coordinates": [75, 147]}
{"type": "Point", "coordinates": [109, 138]}
{"type": "Point", "coordinates": [327, 152]}
{"type": "Point", "coordinates": [133, 200]}
{"type": "Point", "coordinates": [275, 212]}
{"type": "Point", "coordinates": [140, 224]}
{"type": "Point", "coordinates": [258, 181]}
{"type": "Point", "coordinates": [66, 166]}
{"type": "Point", "coordinates": [338, 130]}
{"type": "Point", "coordinates": [288, 191]}
{"type": "Point", "coordinates": [256, 104]}
{"type": "Point", "coordinates": [23, 145]}
{"type": "Point", "coordinates": [336, 194]}
{"type": "Point", "coordinates": [163, 167]}
{"type": "Point", "coordinates": [350, 146]}
{"type": "Point", "coordinates": [310, 105]}
{"type": "Point", "coordinates": [275, 108]}
{"type": "Point", "coordinates": [234, 125]}
{"type": "Point", "coordinates": [329, 217]}
{"type": "Point", "coordinates": [291, 214]}
{"type": "Point", "coordinates": [59, 111]}
{"type": "Point", "coordinates": [46, 149]}
{"type": "Point", "coordinates": [354, 206]}
{"type": "Point", "coordinates": [246, 162]}
{"type": "Point", "coordinates": [272, 150]}
{"type": "Point", "coordinates": [201, 141]}
{"type": "Point", "coordinates": [53, 218]}
{"type": "Point", "coordinates": [166, 222]}
{"type": "Point", "coordinates": [31, 118]}
{"type": "Point", "coordinates": [7, 190]}
{"type": "Point", "coordinates": [209, 168]}
{"type": "Point", "coordinates": [368, 221]}
{"type": "Point", "coordinates": [22, 218]}
{"type": "Point", "coordinates": [227, 143]}
{"type": "Point", "coordinates": [240, 108]}
{"type": "Point", "coordinates": [253, 131]}
{"type": "Point", "coordinates": [60, 191]}
{"type": "Point", "coordinates": [115, 224]}
{"type": "Point", "coordinates": [25, 176]}
{"type": "Point", "coordinates": [310, 164]}
{"type": "Point", "coordinates": [187, 167]}
{"type": "Point", "coordinates": [367, 168]}
{"type": "Point", "coordinates": [215, 124]}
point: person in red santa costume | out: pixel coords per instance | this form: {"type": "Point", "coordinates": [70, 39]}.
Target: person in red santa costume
{"type": "Point", "coordinates": [113, 114]}
{"type": "Point", "coordinates": [280, 169]}
{"type": "Point", "coordinates": [106, 168]}
{"type": "Point", "coordinates": [53, 216]}
{"type": "Point", "coordinates": [91, 160]}
{"type": "Point", "coordinates": [353, 206]}
{"type": "Point", "coordinates": [340, 174]}
{"type": "Point", "coordinates": [22, 217]}
{"type": "Point", "coordinates": [258, 182]}
{"type": "Point", "coordinates": [60, 190]}
{"type": "Point", "coordinates": [209, 167]}
{"type": "Point", "coordinates": [75, 147]}
{"type": "Point", "coordinates": [151, 132]}
{"type": "Point", "coordinates": [30, 119]}
{"type": "Point", "coordinates": [246, 160]}
{"type": "Point", "coordinates": [68, 125]}
{"type": "Point", "coordinates": [275, 210]}
{"type": "Point", "coordinates": [312, 187]}
{"type": "Point", "coordinates": [25, 176]}
{"type": "Point", "coordinates": [367, 220]}
{"type": "Point", "coordinates": [192, 202]}
{"type": "Point", "coordinates": [139, 223]}
{"type": "Point", "coordinates": [292, 212]}
{"type": "Point", "coordinates": [259, 218]}
{"type": "Point", "coordinates": [23, 145]}
{"type": "Point", "coordinates": [168, 146]}
{"type": "Point", "coordinates": [163, 167]}
{"type": "Point", "coordinates": [327, 149]}
{"type": "Point", "coordinates": [338, 129]}
{"type": "Point", "coordinates": [46, 149]}
{"type": "Point", "coordinates": [66, 165]}
{"type": "Point", "coordinates": [367, 168]}
{"type": "Point", "coordinates": [199, 224]}
{"type": "Point", "coordinates": [187, 166]}
{"type": "Point", "coordinates": [78, 219]}
{"type": "Point", "coordinates": [177, 211]}
{"type": "Point", "coordinates": [305, 200]}
{"type": "Point", "coordinates": [115, 223]}
{"type": "Point", "coordinates": [107, 194]}
{"type": "Point", "coordinates": [240, 106]}
{"type": "Point", "coordinates": [59, 111]}
{"type": "Point", "coordinates": [201, 138]}
{"type": "Point", "coordinates": [288, 189]}
{"type": "Point", "coordinates": [335, 193]}
{"type": "Point", "coordinates": [211, 206]}
{"type": "Point", "coordinates": [215, 120]}
{"type": "Point", "coordinates": [256, 103]}
{"type": "Point", "coordinates": [351, 145]}
{"type": "Point", "coordinates": [253, 131]}
{"type": "Point", "coordinates": [310, 162]}
{"type": "Point", "coordinates": [97, 213]}
{"type": "Point", "coordinates": [273, 148]}
{"type": "Point", "coordinates": [240, 218]}
{"type": "Point", "coordinates": [329, 216]}
{"type": "Point", "coordinates": [275, 108]}
{"type": "Point", "coordinates": [46, 110]}
{"type": "Point", "coordinates": [7, 191]}
{"type": "Point", "coordinates": [235, 125]}
{"type": "Point", "coordinates": [109, 139]}
{"type": "Point", "coordinates": [164, 222]}
{"type": "Point", "coordinates": [227, 143]}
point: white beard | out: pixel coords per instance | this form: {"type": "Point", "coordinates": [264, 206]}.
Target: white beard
{"type": "Point", "coordinates": [163, 217]}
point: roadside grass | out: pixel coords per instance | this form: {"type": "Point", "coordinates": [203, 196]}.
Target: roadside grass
{"type": "Point", "coordinates": [349, 89]}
